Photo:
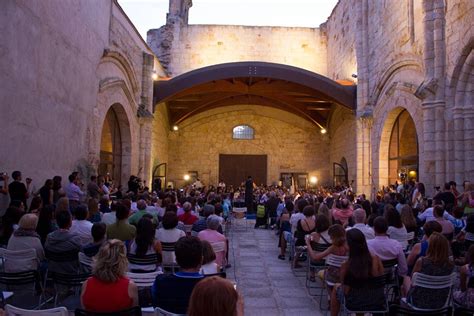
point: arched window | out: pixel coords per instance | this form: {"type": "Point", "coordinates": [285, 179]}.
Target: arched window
{"type": "Point", "coordinates": [242, 132]}
{"type": "Point", "coordinates": [403, 149]}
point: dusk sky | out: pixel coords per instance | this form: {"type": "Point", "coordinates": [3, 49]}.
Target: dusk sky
{"type": "Point", "coordinates": [148, 14]}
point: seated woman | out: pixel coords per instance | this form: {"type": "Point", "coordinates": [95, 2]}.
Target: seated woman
{"type": "Point", "coordinates": [144, 246]}
{"type": "Point", "coordinates": [356, 274]}
{"type": "Point", "coordinates": [215, 238]}
{"type": "Point", "coordinates": [25, 237]}
{"type": "Point", "coordinates": [209, 265]}
{"type": "Point", "coordinates": [320, 239]}
{"type": "Point", "coordinates": [344, 213]}
{"type": "Point", "coordinates": [396, 229]}
{"type": "Point", "coordinates": [168, 235]}
{"type": "Point", "coordinates": [109, 278]}
{"type": "Point", "coordinates": [465, 296]}
{"type": "Point", "coordinates": [285, 229]}
{"type": "Point", "coordinates": [304, 227]}
{"type": "Point", "coordinates": [436, 263]}
{"type": "Point", "coordinates": [215, 296]}
{"type": "Point", "coordinates": [46, 222]}
{"type": "Point", "coordinates": [419, 249]}
{"type": "Point", "coordinates": [338, 248]}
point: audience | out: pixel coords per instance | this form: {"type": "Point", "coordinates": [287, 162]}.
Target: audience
{"type": "Point", "coordinates": [419, 249]}
{"type": "Point", "coordinates": [99, 236]}
{"type": "Point", "coordinates": [144, 245]}
{"type": "Point", "coordinates": [188, 218]}
{"type": "Point", "coordinates": [465, 296]}
{"type": "Point", "coordinates": [172, 291]}
{"type": "Point", "coordinates": [396, 230]}
{"type": "Point", "coordinates": [109, 278]}
{"type": "Point", "coordinates": [215, 296]}
{"type": "Point", "coordinates": [209, 265]}
{"type": "Point", "coordinates": [25, 237]}
{"type": "Point", "coordinates": [168, 235]}
{"type": "Point", "coordinates": [64, 245]}
{"type": "Point", "coordinates": [81, 226]}
{"type": "Point", "coordinates": [386, 248]}
{"type": "Point", "coordinates": [435, 263]}
{"type": "Point", "coordinates": [215, 238]}
{"type": "Point", "coordinates": [121, 229]}
{"type": "Point", "coordinates": [46, 222]}
{"type": "Point", "coordinates": [360, 219]}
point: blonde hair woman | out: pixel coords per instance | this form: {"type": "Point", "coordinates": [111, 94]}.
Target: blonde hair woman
{"type": "Point", "coordinates": [109, 278]}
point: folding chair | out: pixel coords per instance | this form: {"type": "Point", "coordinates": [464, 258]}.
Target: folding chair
{"type": "Point", "coordinates": [367, 294]}
{"type": "Point", "coordinates": [169, 260]}
{"type": "Point", "coordinates": [462, 311]}
{"type": "Point", "coordinates": [188, 229]}
{"type": "Point", "coordinates": [143, 261]}
{"type": "Point", "coordinates": [331, 261]}
{"type": "Point", "coordinates": [134, 311]}
{"type": "Point", "coordinates": [435, 283]}
{"type": "Point", "coordinates": [398, 310]}
{"type": "Point", "coordinates": [143, 280]}
{"type": "Point", "coordinates": [162, 312]}
{"type": "Point", "coordinates": [315, 267]}
{"type": "Point", "coordinates": [15, 311]}
{"type": "Point", "coordinates": [24, 285]}
{"type": "Point", "coordinates": [68, 282]}
{"type": "Point", "coordinates": [220, 247]}
{"type": "Point", "coordinates": [392, 285]}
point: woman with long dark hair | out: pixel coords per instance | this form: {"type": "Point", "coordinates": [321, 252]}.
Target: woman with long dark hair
{"type": "Point", "coordinates": [356, 274]}
{"type": "Point", "coordinates": [144, 245]}
{"type": "Point", "coordinates": [46, 192]}
{"type": "Point", "coordinates": [396, 229]}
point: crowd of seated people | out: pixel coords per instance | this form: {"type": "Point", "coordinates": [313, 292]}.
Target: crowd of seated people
{"type": "Point", "coordinates": [140, 232]}
{"type": "Point", "coordinates": [401, 227]}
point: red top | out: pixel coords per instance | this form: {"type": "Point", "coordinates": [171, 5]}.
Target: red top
{"type": "Point", "coordinates": [187, 218]}
{"type": "Point", "coordinates": [106, 297]}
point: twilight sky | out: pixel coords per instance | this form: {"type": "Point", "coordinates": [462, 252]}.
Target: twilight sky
{"type": "Point", "coordinates": [148, 14]}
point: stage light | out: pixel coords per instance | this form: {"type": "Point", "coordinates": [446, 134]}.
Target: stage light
{"type": "Point", "coordinates": [186, 177]}
{"type": "Point", "coordinates": [175, 128]}
{"type": "Point", "coordinates": [324, 131]}
{"type": "Point", "coordinates": [313, 180]}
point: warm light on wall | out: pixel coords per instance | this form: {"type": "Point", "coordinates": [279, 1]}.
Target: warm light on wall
{"type": "Point", "coordinates": [313, 180]}
{"type": "Point", "coordinates": [175, 128]}
{"type": "Point", "coordinates": [154, 76]}
{"type": "Point", "coordinates": [324, 131]}
{"type": "Point", "coordinates": [186, 177]}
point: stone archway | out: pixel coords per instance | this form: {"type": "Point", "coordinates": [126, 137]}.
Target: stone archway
{"type": "Point", "coordinates": [115, 146]}
{"type": "Point", "coordinates": [398, 148]}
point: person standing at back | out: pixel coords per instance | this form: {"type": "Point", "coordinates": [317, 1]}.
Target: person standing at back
{"type": "Point", "coordinates": [17, 190]}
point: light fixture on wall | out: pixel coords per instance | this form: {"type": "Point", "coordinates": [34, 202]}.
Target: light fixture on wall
{"type": "Point", "coordinates": [175, 128]}
{"type": "Point", "coordinates": [154, 75]}
{"type": "Point", "coordinates": [324, 131]}
{"type": "Point", "coordinates": [313, 180]}
{"type": "Point", "coordinates": [186, 177]}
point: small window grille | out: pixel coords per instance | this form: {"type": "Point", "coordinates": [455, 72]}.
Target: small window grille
{"type": "Point", "coordinates": [242, 132]}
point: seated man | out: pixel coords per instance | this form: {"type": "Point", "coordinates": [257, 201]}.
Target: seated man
{"type": "Point", "coordinates": [201, 224]}
{"type": "Point", "coordinates": [121, 229]}
{"type": "Point", "coordinates": [385, 248]}
{"type": "Point", "coordinates": [62, 246]}
{"type": "Point", "coordinates": [172, 291]}
{"type": "Point", "coordinates": [99, 235]}
{"type": "Point", "coordinates": [359, 219]}
{"type": "Point", "coordinates": [142, 210]}
{"type": "Point", "coordinates": [81, 226]}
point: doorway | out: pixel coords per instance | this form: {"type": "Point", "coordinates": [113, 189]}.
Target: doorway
{"type": "Point", "coordinates": [234, 169]}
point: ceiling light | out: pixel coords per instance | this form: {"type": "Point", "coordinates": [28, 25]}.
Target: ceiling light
{"type": "Point", "coordinates": [175, 128]}
{"type": "Point", "coordinates": [323, 131]}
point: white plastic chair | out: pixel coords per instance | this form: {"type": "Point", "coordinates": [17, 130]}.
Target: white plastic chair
{"type": "Point", "coordinates": [434, 283]}
{"type": "Point", "coordinates": [239, 217]}
{"type": "Point", "coordinates": [220, 246]}
{"type": "Point", "coordinates": [188, 229]}
{"type": "Point", "coordinates": [334, 261]}
{"type": "Point", "coordinates": [162, 312]}
{"type": "Point", "coordinates": [15, 311]}
{"type": "Point", "coordinates": [143, 280]}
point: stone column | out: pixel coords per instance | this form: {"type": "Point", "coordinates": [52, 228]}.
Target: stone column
{"type": "Point", "coordinates": [468, 143]}
{"type": "Point", "coordinates": [458, 140]}
{"type": "Point", "coordinates": [144, 154]}
{"type": "Point", "coordinates": [364, 183]}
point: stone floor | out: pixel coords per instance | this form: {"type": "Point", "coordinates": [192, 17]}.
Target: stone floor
{"type": "Point", "coordinates": [267, 284]}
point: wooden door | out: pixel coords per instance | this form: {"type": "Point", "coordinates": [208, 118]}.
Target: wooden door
{"type": "Point", "coordinates": [234, 169]}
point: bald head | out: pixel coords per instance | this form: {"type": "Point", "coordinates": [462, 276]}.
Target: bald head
{"type": "Point", "coordinates": [359, 216]}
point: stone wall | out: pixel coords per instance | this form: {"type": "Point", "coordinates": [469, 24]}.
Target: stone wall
{"type": "Point", "coordinates": [292, 144]}
{"type": "Point", "coordinates": [64, 65]}
{"type": "Point", "coordinates": [161, 130]}
{"type": "Point", "coordinates": [188, 47]}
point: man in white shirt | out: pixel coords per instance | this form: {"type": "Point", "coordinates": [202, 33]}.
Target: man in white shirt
{"type": "Point", "coordinates": [81, 226]}
{"type": "Point", "coordinates": [428, 215]}
{"type": "Point", "coordinates": [73, 192]}
{"type": "Point", "coordinates": [359, 219]}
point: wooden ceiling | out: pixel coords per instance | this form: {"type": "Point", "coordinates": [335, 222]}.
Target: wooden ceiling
{"type": "Point", "coordinates": [186, 96]}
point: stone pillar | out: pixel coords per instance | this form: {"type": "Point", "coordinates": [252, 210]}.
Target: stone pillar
{"type": "Point", "coordinates": [469, 143]}
{"type": "Point", "coordinates": [364, 182]}
{"type": "Point", "coordinates": [458, 140]}
{"type": "Point", "coordinates": [427, 176]}
{"type": "Point", "coordinates": [144, 154]}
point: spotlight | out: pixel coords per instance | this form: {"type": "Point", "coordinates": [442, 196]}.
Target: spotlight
{"type": "Point", "coordinates": [175, 128]}
{"type": "Point", "coordinates": [313, 180]}
{"type": "Point", "coordinates": [154, 76]}
{"type": "Point", "coordinates": [324, 131]}
{"type": "Point", "coordinates": [186, 177]}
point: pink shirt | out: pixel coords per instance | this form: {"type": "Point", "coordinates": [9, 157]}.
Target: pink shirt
{"type": "Point", "coordinates": [213, 236]}
{"type": "Point", "coordinates": [342, 215]}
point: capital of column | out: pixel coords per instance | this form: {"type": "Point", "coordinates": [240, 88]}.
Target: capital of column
{"type": "Point", "coordinates": [433, 104]}
{"type": "Point", "coordinates": [366, 118]}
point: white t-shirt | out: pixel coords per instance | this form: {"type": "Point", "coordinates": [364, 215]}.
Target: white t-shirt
{"type": "Point", "coordinates": [82, 228]}
{"type": "Point", "coordinates": [166, 236]}
{"type": "Point", "coordinates": [109, 218]}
